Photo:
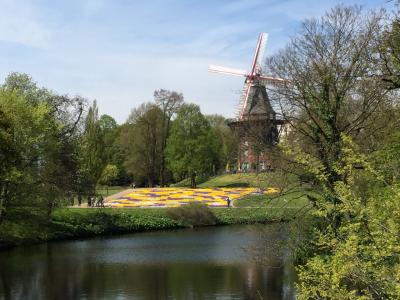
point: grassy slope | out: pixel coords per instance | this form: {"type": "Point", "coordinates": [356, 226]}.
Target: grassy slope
{"type": "Point", "coordinates": [232, 180]}
{"type": "Point", "coordinates": [289, 198]}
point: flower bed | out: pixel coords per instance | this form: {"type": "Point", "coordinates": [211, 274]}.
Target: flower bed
{"type": "Point", "coordinates": [172, 197]}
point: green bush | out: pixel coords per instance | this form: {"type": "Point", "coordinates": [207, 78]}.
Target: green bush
{"type": "Point", "coordinates": [194, 214]}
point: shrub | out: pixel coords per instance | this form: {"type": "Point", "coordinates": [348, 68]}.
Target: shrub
{"type": "Point", "coordinates": [194, 214]}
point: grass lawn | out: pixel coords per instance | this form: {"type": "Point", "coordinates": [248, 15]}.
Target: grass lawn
{"type": "Point", "coordinates": [102, 190]}
{"type": "Point", "coordinates": [297, 198]}
{"type": "Point", "coordinates": [264, 180]}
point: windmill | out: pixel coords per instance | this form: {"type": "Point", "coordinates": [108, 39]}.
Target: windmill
{"type": "Point", "coordinates": [256, 122]}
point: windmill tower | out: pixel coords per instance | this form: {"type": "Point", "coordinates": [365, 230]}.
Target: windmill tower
{"type": "Point", "coordinates": [256, 123]}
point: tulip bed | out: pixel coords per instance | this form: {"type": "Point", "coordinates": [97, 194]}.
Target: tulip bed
{"type": "Point", "coordinates": [172, 197]}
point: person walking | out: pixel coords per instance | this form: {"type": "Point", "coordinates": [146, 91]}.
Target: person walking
{"type": "Point", "coordinates": [89, 201]}
{"type": "Point", "coordinates": [228, 202]}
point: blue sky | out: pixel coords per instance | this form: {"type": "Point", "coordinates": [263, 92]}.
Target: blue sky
{"type": "Point", "coordinates": [119, 51]}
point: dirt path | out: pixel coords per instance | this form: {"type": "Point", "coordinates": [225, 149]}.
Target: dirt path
{"type": "Point", "coordinates": [106, 199]}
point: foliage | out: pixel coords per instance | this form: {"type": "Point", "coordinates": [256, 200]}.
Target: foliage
{"type": "Point", "coordinates": [357, 245]}
{"type": "Point", "coordinates": [38, 131]}
{"type": "Point", "coordinates": [227, 142]}
{"type": "Point", "coordinates": [141, 139]}
{"type": "Point", "coordinates": [92, 154]}
{"type": "Point", "coordinates": [389, 50]}
{"type": "Point", "coordinates": [191, 147]}
{"type": "Point", "coordinates": [387, 160]}
{"type": "Point", "coordinates": [329, 89]}
{"type": "Point", "coordinates": [193, 214]}
{"type": "Point", "coordinates": [169, 103]}
{"type": "Point", "coordinates": [109, 173]}
{"type": "Point", "coordinates": [65, 223]}
{"type": "Point", "coordinates": [339, 109]}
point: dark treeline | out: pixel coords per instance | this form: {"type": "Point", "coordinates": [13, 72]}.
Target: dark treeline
{"type": "Point", "coordinates": [55, 147]}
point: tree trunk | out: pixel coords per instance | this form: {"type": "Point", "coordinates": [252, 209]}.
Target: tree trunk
{"type": "Point", "coordinates": [193, 181]}
{"type": "Point", "coordinates": [162, 179]}
{"type": "Point", "coordinates": [3, 200]}
{"type": "Point", "coordinates": [1, 208]}
{"type": "Point", "coordinates": [163, 146]}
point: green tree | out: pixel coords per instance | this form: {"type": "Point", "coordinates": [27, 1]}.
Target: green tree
{"type": "Point", "coordinates": [8, 157]}
{"type": "Point", "coordinates": [141, 139]}
{"type": "Point", "coordinates": [108, 127]}
{"type": "Point", "coordinates": [92, 155]}
{"type": "Point", "coordinates": [109, 174]}
{"type": "Point", "coordinates": [330, 90]}
{"type": "Point", "coordinates": [360, 258]}
{"type": "Point", "coordinates": [191, 146]}
{"type": "Point", "coordinates": [39, 132]}
{"type": "Point", "coordinates": [389, 51]}
{"type": "Point", "coordinates": [332, 100]}
{"type": "Point", "coordinates": [227, 142]}
{"type": "Point", "coordinates": [169, 103]}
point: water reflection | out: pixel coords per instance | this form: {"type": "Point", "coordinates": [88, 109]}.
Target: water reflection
{"type": "Point", "coordinates": [208, 263]}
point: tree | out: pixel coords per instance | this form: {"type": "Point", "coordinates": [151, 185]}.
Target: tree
{"type": "Point", "coordinates": [39, 130]}
{"type": "Point", "coordinates": [109, 174]}
{"type": "Point", "coordinates": [329, 89]}
{"type": "Point", "coordinates": [142, 140]}
{"type": "Point", "coordinates": [8, 157]}
{"type": "Point", "coordinates": [191, 146]}
{"type": "Point", "coordinates": [169, 103]}
{"type": "Point", "coordinates": [332, 98]}
{"type": "Point", "coordinates": [362, 261]}
{"type": "Point", "coordinates": [227, 141]}
{"type": "Point", "coordinates": [92, 149]}
{"type": "Point", "coordinates": [389, 54]}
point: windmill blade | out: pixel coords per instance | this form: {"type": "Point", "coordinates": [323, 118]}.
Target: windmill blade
{"type": "Point", "coordinates": [271, 79]}
{"type": "Point", "coordinates": [261, 53]}
{"type": "Point", "coordinates": [260, 50]}
{"type": "Point", "coordinates": [244, 99]}
{"type": "Point", "coordinates": [225, 70]}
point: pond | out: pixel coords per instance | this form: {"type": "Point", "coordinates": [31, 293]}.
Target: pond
{"type": "Point", "coordinates": [229, 262]}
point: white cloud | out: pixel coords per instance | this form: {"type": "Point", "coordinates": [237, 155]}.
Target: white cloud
{"type": "Point", "coordinates": [19, 23]}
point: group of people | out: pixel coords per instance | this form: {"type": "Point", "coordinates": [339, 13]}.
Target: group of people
{"type": "Point", "coordinates": [95, 201]}
{"type": "Point", "coordinates": [92, 200]}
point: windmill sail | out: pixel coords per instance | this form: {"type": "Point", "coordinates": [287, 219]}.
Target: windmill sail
{"type": "Point", "coordinates": [244, 98]}
{"type": "Point", "coordinates": [260, 50]}
{"type": "Point", "coordinates": [225, 70]}
{"type": "Point", "coordinates": [261, 53]}
{"type": "Point", "coordinates": [254, 77]}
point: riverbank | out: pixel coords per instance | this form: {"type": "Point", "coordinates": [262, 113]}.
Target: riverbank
{"type": "Point", "coordinates": [75, 223]}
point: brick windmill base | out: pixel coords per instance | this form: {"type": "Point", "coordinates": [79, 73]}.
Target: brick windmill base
{"type": "Point", "coordinates": [257, 131]}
